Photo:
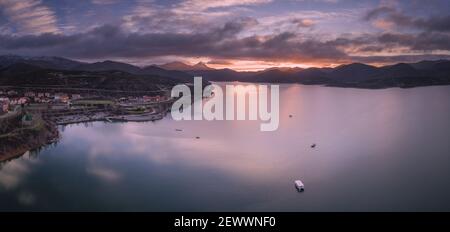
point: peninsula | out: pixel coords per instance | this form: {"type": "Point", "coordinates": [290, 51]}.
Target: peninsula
{"type": "Point", "coordinates": [35, 99]}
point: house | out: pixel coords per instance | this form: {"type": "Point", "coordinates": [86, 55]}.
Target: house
{"type": "Point", "coordinates": [61, 97]}
{"type": "Point", "coordinates": [37, 99]}
{"type": "Point", "coordinates": [4, 106]}
{"type": "Point", "coordinates": [22, 100]}
{"type": "Point", "coordinates": [147, 98]}
{"type": "Point", "coordinates": [65, 98]}
{"type": "Point", "coordinates": [12, 92]}
{"type": "Point", "coordinates": [76, 96]}
{"type": "Point", "coordinates": [30, 94]}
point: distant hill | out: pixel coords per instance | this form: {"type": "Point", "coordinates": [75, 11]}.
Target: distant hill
{"type": "Point", "coordinates": [27, 75]}
{"type": "Point", "coordinates": [50, 62]}
{"type": "Point", "coordinates": [149, 70]}
{"type": "Point", "coordinates": [59, 63]}
{"type": "Point", "coordinates": [174, 74]}
{"type": "Point", "coordinates": [180, 66]}
{"type": "Point", "coordinates": [356, 75]}
{"type": "Point", "coordinates": [109, 65]}
{"type": "Point", "coordinates": [353, 72]}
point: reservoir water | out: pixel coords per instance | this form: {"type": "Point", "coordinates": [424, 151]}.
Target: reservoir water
{"type": "Point", "coordinates": [376, 150]}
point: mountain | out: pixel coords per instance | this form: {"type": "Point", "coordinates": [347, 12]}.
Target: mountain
{"type": "Point", "coordinates": [124, 67]}
{"type": "Point", "coordinates": [356, 75]}
{"type": "Point", "coordinates": [18, 69]}
{"type": "Point", "coordinates": [427, 64]}
{"type": "Point", "coordinates": [22, 74]}
{"type": "Point", "coordinates": [398, 70]}
{"type": "Point", "coordinates": [176, 65]}
{"type": "Point", "coordinates": [297, 75]}
{"type": "Point", "coordinates": [180, 66]}
{"type": "Point", "coordinates": [438, 68]}
{"type": "Point", "coordinates": [222, 75]}
{"type": "Point", "coordinates": [177, 75]}
{"type": "Point", "coordinates": [277, 75]}
{"type": "Point", "coordinates": [109, 65]}
{"type": "Point", "coordinates": [201, 66]}
{"type": "Point", "coordinates": [285, 69]}
{"type": "Point", "coordinates": [50, 62]}
{"type": "Point", "coordinates": [45, 71]}
{"type": "Point", "coordinates": [353, 72]}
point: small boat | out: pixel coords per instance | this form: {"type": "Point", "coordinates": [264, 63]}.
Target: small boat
{"type": "Point", "coordinates": [299, 185]}
{"type": "Point", "coordinates": [290, 115]}
{"type": "Point", "coordinates": [197, 137]}
{"type": "Point", "coordinates": [178, 129]}
{"type": "Point", "coordinates": [313, 145]}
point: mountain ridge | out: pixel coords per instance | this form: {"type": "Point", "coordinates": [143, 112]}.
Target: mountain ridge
{"type": "Point", "coordinates": [356, 75]}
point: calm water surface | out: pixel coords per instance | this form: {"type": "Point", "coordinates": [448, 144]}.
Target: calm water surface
{"type": "Point", "coordinates": [377, 150]}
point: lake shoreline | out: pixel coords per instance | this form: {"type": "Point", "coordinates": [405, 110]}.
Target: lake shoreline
{"type": "Point", "coordinates": [41, 133]}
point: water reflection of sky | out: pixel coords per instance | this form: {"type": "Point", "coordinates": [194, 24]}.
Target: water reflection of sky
{"type": "Point", "coordinates": [373, 147]}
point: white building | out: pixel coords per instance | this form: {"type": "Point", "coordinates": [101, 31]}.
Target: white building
{"type": "Point", "coordinates": [4, 106]}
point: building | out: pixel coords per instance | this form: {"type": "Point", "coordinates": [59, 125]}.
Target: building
{"type": "Point", "coordinates": [61, 97]}
{"type": "Point", "coordinates": [12, 92]}
{"type": "Point", "coordinates": [76, 96]}
{"type": "Point", "coordinates": [30, 94]}
{"type": "Point", "coordinates": [4, 106]}
{"type": "Point", "coordinates": [22, 100]}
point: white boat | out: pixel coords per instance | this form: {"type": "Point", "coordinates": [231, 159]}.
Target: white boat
{"type": "Point", "coordinates": [299, 185]}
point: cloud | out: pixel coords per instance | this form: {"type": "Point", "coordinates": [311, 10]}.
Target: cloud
{"type": "Point", "coordinates": [398, 58]}
{"type": "Point", "coordinates": [300, 22]}
{"type": "Point", "coordinates": [213, 31]}
{"type": "Point", "coordinates": [104, 2]}
{"type": "Point", "coordinates": [220, 62]}
{"type": "Point", "coordinates": [327, 1]}
{"type": "Point", "coordinates": [30, 16]}
{"type": "Point", "coordinates": [386, 17]}
{"type": "Point", "coordinates": [220, 43]}
{"type": "Point", "coordinates": [425, 41]}
{"type": "Point", "coordinates": [202, 5]}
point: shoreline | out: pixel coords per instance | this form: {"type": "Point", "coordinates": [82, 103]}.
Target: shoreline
{"type": "Point", "coordinates": [363, 86]}
{"type": "Point", "coordinates": [45, 136]}
{"type": "Point", "coordinates": [50, 134]}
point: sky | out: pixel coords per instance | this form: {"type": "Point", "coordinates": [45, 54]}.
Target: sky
{"type": "Point", "coordinates": [238, 34]}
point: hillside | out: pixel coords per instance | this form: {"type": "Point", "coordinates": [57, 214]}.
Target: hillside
{"type": "Point", "coordinates": [24, 75]}
{"type": "Point", "coordinates": [350, 75]}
